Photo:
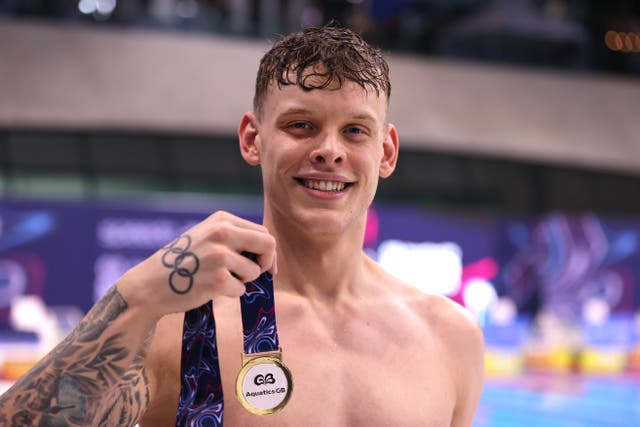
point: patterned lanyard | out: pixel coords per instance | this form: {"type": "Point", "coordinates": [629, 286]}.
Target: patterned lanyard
{"type": "Point", "coordinates": [201, 400]}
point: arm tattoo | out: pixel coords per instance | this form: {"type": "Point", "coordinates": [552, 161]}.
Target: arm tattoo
{"type": "Point", "coordinates": [128, 401]}
{"type": "Point", "coordinates": [182, 263]}
{"type": "Point", "coordinates": [88, 370]}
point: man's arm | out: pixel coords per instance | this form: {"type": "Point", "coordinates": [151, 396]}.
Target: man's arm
{"type": "Point", "coordinates": [86, 376]}
{"type": "Point", "coordinates": [96, 375]}
{"type": "Point", "coordinates": [467, 349]}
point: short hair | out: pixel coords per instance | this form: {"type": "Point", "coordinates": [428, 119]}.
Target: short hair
{"type": "Point", "coordinates": [341, 53]}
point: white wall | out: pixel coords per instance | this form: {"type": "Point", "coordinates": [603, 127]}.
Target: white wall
{"type": "Point", "coordinates": [79, 77]}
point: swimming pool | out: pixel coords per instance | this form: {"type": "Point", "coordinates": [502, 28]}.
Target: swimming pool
{"type": "Point", "coordinates": [554, 400]}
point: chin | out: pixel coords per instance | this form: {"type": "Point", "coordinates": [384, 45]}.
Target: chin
{"type": "Point", "coordinates": [324, 222]}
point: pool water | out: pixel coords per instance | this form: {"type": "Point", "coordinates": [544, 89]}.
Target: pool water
{"type": "Point", "coordinates": [560, 401]}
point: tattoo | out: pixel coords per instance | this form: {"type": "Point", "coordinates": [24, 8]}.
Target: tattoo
{"type": "Point", "coordinates": [131, 398]}
{"type": "Point", "coordinates": [128, 402]}
{"type": "Point", "coordinates": [85, 371]}
{"type": "Point", "coordinates": [184, 264]}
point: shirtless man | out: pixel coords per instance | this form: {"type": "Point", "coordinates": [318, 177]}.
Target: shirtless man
{"type": "Point", "coordinates": [364, 348]}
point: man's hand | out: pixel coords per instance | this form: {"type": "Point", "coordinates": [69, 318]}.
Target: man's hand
{"type": "Point", "coordinates": [204, 263]}
{"type": "Point", "coordinates": [96, 375]}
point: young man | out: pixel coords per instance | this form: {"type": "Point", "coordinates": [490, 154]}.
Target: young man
{"type": "Point", "coordinates": [363, 348]}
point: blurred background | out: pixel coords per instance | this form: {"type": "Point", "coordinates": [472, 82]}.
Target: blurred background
{"type": "Point", "coordinates": [517, 192]}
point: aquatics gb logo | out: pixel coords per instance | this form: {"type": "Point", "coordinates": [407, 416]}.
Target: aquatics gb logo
{"type": "Point", "coordinates": [264, 379]}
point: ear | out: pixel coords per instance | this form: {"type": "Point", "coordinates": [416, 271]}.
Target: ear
{"type": "Point", "coordinates": [249, 139]}
{"type": "Point", "coordinates": [390, 148]}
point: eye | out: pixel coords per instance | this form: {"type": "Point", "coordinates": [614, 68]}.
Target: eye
{"type": "Point", "coordinates": [299, 128]}
{"type": "Point", "coordinates": [355, 130]}
{"type": "Point", "coordinates": [300, 125]}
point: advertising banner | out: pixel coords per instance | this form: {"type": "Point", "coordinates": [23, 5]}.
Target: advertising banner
{"type": "Point", "coordinates": [69, 253]}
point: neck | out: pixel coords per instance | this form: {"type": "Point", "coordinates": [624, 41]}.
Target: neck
{"type": "Point", "coordinates": [321, 266]}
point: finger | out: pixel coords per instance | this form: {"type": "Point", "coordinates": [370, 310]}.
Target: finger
{"type": "Point", "coordinates": [274, 267]}
{"type": "Point", "coordinates": [223, 216]}
{"type": "Point", "coordinates": [236, 289]}
{"type": "Point", "coordinates": [261, 244]}
{"type": "Point", "coordinates": [231, 287]}
{"type": "Point", "coordinates": [243, 236]}
{"type": "Point", "coordinates": [242, 267]}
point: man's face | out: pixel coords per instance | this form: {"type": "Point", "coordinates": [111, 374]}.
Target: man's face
{"type": "Point", "coordinates": [322, 152]}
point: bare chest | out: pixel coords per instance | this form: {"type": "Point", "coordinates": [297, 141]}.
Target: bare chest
{"type": "Point", "coordinates": [364, 374]}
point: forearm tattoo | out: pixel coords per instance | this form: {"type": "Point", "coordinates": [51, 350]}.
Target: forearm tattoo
{"type": "Point", "coordinates": [92, 378]}
{"type": "Point", "coordinates": [182, 263]}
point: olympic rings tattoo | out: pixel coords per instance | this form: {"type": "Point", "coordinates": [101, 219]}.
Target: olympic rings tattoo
{"type": "Point", "coordinates": [181, 278]}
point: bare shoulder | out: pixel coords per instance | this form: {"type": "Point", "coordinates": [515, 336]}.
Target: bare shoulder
{"type": "Point", "coordinates": [441, 315]}
{"type": "Point", "coordinates": [162, 366]}
{"type": "Point", "coordinates": [461, 339]}
{"type": "Point", "coordinates": [454, 323]}
{"type": "Point", "coordinates": [457, 337]}
{"type": "Point", "coordinates": [453, 326]}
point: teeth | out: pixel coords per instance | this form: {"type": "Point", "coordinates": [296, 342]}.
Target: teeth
{"type": "Point", "coordinates": [324, 185]}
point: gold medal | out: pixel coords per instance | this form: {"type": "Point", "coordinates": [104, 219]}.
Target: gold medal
{"type": "Point", "coordinates": [264, 384]}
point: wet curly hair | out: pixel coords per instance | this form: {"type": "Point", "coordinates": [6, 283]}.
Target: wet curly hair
{"type": "Point", "coordinates": [317, 57]}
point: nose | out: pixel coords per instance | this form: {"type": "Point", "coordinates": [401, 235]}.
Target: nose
{"type": "Point", "coordinates": [328, 151]}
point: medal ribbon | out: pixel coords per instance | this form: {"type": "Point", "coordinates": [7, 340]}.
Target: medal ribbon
{"type": "Point", "coordinates": [201, 402]}
{"type": "Point", "coordinates": [259, 316]}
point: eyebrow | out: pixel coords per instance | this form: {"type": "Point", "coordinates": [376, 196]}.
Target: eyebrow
{"type": "Point", "coordinates": [303, 110]}
{"type": "Point", "coordinates": [296, 110]}
{"type": "Point", "coordinates": [363, 116]}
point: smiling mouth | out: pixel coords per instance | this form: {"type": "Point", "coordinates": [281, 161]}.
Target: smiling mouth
{"type": "Point", "coordinates": [326, 186]}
